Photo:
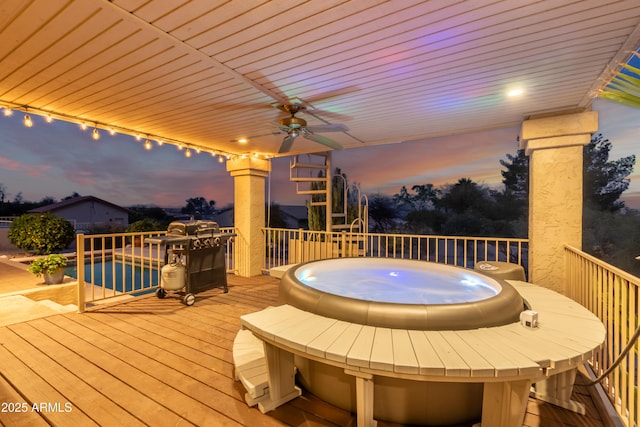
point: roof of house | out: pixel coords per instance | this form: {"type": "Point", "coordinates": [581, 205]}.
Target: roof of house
{"type": "Point", "coordinates": [75, 201]}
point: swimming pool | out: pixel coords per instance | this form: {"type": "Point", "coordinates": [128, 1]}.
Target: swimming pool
{"type": "Point", "coordinates": [117, 276]}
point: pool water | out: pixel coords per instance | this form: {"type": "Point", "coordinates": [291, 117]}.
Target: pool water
{"type": "Point", "coordinates": [122, 278]}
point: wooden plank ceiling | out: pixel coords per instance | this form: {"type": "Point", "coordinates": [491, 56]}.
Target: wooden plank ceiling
{"type": "Point", "coordinates": [209, 72]}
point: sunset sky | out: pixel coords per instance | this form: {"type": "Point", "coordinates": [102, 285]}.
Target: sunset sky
{"type": "Point", "coordinates": [59, 159]}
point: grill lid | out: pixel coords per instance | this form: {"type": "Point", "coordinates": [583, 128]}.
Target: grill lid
{"type": "Point", "coordinates": [193, 228]}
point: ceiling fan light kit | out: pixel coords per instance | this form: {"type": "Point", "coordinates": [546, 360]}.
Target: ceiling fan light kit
{"type": "Point", "coordinates": [295, 126]}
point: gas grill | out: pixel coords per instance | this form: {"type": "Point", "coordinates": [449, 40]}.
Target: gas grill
{"type": "Point", "coordinates": [198, 246]}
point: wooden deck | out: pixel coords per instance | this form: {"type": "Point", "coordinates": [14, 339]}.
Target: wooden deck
{"type": "Point", "coordinates": [157, 362]}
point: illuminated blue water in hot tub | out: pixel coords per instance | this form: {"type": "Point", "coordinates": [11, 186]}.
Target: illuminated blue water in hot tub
{"type": "Point", "coordinates": [399, 283]}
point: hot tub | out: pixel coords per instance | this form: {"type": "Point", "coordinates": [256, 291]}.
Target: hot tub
{"type": "Point", "coordinates": [399, 294]}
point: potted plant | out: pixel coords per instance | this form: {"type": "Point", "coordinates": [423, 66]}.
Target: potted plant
{"type": "Point", "coordinates": [51, 267]}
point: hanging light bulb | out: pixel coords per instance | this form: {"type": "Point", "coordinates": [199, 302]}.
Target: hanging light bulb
{"type": "Point", "coordinates": [112, 131]}
{"type": "Point", "coordinates": [7, 111]}
{"type": "Point", "coordinates": [220, 159]}
{"type": "Point", "coordinates": [179, 147]}
{"type": "Point", "coordinates": [48, 118]}
{"type": "Point", "coordinates": [83, 126]}
{"type": "Point", "coordinates": [187, 153]}
{"type": "Point", "coordinates": [147, 144]}
{"type": "Point", "coordinates": [27, 121]}
{"type": "Point", "coordinates": [95, 134]}
{"type": "Point", "coordinates": [159, 142]}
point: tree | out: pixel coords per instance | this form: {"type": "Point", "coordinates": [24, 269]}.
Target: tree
{"type": "Point", "coordinates": [463, 196]}
{"type": "Point", "coordinates": [419, 208]}
{"type": "Point", "coordinates": [425, 196]}
{"type": "Point", "coordinates": [199, 207]}
{"type": "Point", "coordinates": [382, 212]}
{"type": "Point", "coordinates": [605, 180]}
{"type": "Point", "coordinates": [72, 196]}
{"type": "Point", "coordinates": [3, 192]}
{"type": "Point", "coordinates": [136, 213]}
{"type": "Point", "coordinates": [516, 176]}
{"type": "Point", "coordinates": [47, 200]}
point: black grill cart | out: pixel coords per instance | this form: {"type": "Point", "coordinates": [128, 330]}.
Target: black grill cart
{"type": "Point", "coordinates": [194, 259]}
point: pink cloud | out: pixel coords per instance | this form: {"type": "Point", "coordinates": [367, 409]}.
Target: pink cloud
{"type": "Point", "coordinates": [30, 170]}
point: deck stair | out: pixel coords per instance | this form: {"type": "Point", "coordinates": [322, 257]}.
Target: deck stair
{"type": "Point", "coordinates": [19, 308]}
{"type": "Point", "coordinates": [313, 175]}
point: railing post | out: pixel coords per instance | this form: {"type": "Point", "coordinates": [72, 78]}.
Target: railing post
{"type": "Point", "coordinates": [344, 245]}
{"type": "Point", "coordinates": [80, 269]}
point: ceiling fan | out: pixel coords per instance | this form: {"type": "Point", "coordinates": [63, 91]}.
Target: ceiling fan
{"type": "Point", "coordinates": [295, 126]}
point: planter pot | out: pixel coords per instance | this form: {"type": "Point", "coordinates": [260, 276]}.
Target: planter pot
{"type": "Point", "coordinates": [54, 278]}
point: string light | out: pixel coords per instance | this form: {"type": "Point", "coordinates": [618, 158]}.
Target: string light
{"type": "Point", "coordinates": [7, 111]}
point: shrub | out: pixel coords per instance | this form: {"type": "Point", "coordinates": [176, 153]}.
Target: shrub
{"type": "Point", "coordinates": [41, 233]}
{"type": "Point", "coordinates": [147, 224]}
{"type": "Point", "coordinates": [48, 264]}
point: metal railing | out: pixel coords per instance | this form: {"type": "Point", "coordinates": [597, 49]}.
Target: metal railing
{"type": "Point", "coordinates": [116, 264]}
{"type": "Point", "coordinates": [288, 246]}
{"type": "Point", "coordinates": [612, 295]}
{"type": "Point", "coordinates": [5, 221]}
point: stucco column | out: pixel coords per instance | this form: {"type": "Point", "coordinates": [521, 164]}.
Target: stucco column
{"type": "Point", "coordinates": [248, 212]}
{"type": "Point", "coordinates": [555, 146]}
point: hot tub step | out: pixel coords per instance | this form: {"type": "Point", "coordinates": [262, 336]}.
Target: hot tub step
{"type": "Point", "coordinates": [250, 367]}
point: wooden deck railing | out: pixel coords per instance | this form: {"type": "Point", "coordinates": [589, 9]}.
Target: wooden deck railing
{"type": "Point", "coordinates": [612, 295]}
{"type": "Point", "coordinates": [122, 263]}
{"type": "Point", "coordinates": [288, 246]}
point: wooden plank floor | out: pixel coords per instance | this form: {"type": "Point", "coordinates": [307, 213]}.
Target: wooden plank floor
{"type": "Point", "coordinates": [159, 363]}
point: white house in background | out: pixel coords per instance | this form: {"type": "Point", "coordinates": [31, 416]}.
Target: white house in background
{"type": "Point", "coordinates": [88, 212]}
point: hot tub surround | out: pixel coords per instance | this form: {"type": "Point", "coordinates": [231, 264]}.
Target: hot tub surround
{"type": "Point", "coordinates": [405, 295]}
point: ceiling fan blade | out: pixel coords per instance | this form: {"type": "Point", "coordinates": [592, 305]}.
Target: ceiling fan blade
{"type": "Point", "coordinates": [287, 142]}
{"type": "Point", "coordinates": [330, 127]}
{"type": "Point", "coordinates": [321, 139]}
